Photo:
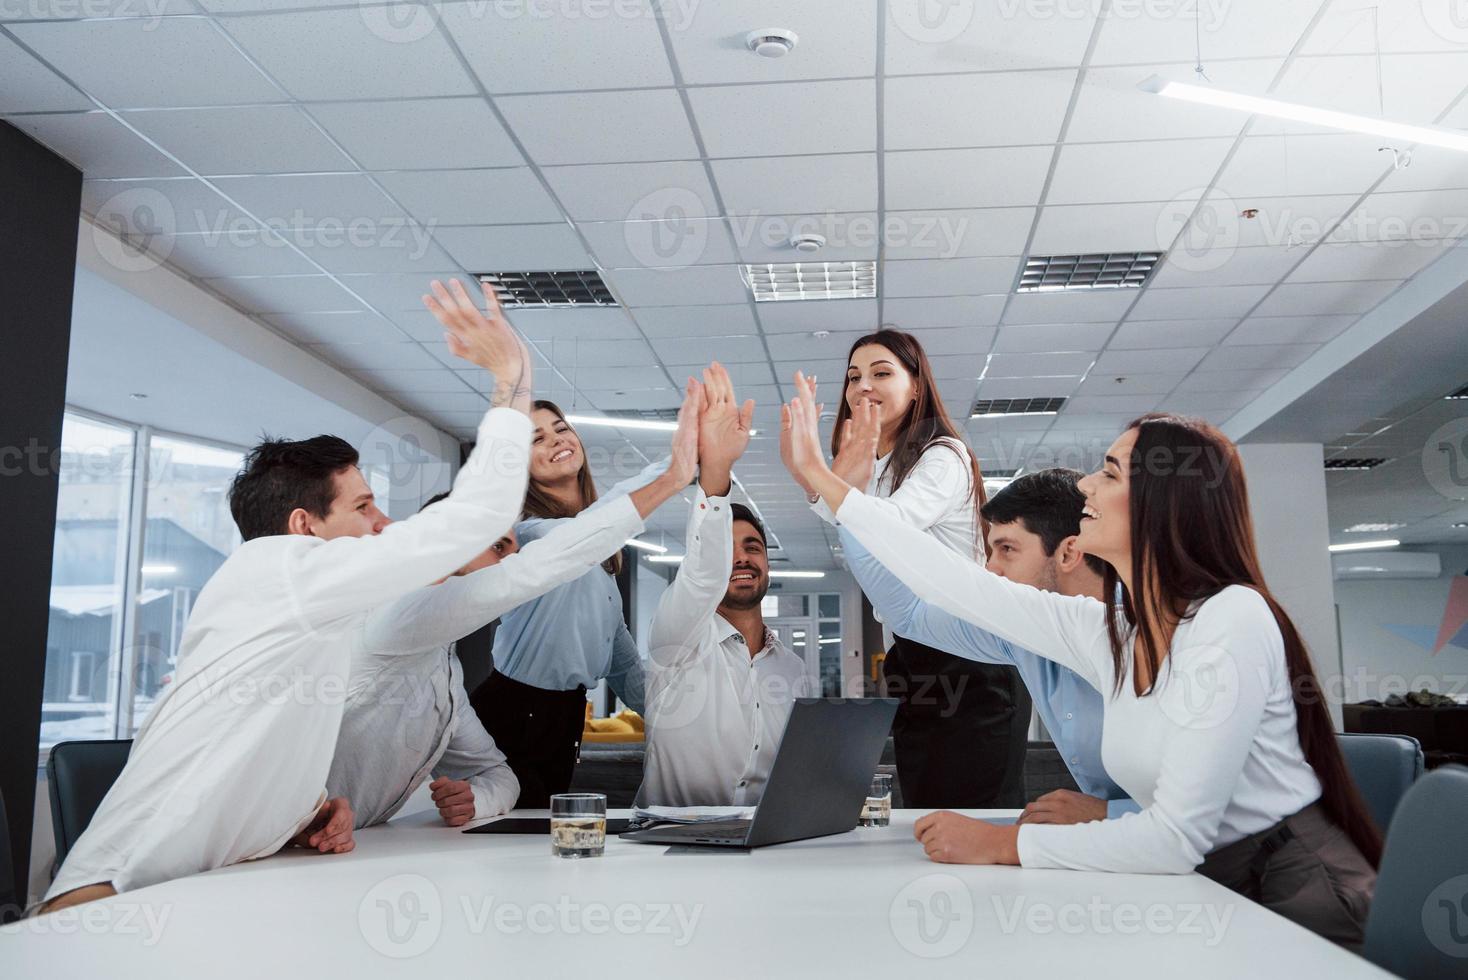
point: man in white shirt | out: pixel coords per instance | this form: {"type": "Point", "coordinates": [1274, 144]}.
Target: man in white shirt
{"type": "Point", "coordinates": [407, 714]}
{"type": "Point", "coordinates": [720, 684]}
{"type": "Point", "coordinates": [231, 763]}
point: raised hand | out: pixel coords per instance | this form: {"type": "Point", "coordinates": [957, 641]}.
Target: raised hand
{"type": "Point", "coordinates": [485, 339]}
{"type": "Point", "coordinates": [858, 456]}
{"type": "Point", "coordinates": [723, 432]}
{"type": "Point", "coordinates": [785, 452]}
{"type": "Point", "coordinates": [684, 460]}
{"type": "Point", "coordinates": [807, 460]}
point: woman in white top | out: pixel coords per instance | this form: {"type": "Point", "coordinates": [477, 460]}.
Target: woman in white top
{"type": "Point", "coordinates": [923, 474]}
{"type": "Point", "coordinates": [1215, 721]}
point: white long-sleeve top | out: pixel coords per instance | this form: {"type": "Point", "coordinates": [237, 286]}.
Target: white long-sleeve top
{"type": "Point", "coordinates": [407, 715]}
{"type": "Point", "coordinates": [715, 713]}
{"type": "Point", "coordinates": [232, 760]}
{"type": "Point", "coordinates": [1212, 754]}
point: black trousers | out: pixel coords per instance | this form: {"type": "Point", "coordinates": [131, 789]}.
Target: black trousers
{"type": "Point", "coordinates": [961, 731]}
{"type": "Point", "coordinates": [539, 732]}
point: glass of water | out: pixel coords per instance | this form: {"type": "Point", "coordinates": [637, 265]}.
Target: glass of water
{"type": "Point", "coordinates": [877, 810]}
{"type": "Point", "coordinates": [578, 824]}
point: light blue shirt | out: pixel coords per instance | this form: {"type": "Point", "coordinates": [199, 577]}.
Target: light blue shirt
{"type": "Point", "coordinates": [1070, 707]}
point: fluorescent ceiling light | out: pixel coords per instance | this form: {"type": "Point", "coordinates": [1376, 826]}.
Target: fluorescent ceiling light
{"type": "Point", "coordinates": [621, 423]}
{"type": "Point", "coordinates": [646, 545]}
{"type": "Point", "coordinates": [797, 575]}
{"type": "Point", "coordinates": [784, 281]}
{"type": "Point", "coordinates": [1366, 545]}
{"type": "Point", "coordinates": [1361, 528]}
{"type": "Point", "coordinates": [1402, 132]}
{"type": "Point", "coordinates": [666, 559]}
{"type": "Point", "coordinates": [1006, 415]}
{"type": "Point", "coordinates": [160, 569]}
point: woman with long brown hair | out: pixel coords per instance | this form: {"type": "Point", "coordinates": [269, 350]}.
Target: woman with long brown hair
{"type": "Point", "coordinates": [550, 650]}
{"type": "Point", "coordinates": [924, 475]}
{"type": "Point", "coordinates": [1214, 719]}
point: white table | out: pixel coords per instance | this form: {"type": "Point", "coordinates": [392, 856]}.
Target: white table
{"type": "Point", "coordinates": [418, 899]}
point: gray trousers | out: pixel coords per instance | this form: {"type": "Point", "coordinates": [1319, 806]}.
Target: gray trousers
{"type": "Point", "coordinates": [1306, 869]}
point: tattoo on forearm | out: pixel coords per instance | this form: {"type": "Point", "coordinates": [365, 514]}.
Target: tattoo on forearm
{"type": "Point", "coordinates": [508, 391]}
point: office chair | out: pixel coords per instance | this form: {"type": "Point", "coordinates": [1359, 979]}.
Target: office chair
{"type": "Point", "coordinates": [78, 775]}
{"type": "Point", "coordinates": [1384, 768]}
{"type": "Point", "coordinates": [1418, 925]}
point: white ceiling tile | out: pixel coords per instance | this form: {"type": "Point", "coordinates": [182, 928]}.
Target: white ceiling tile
{"type": "Point", "coordinates": [967, 367]}
{"type": "Point", "coordinates": [598, 323]}
{"type": "Point", "coordinates": [369, 57]}
{"type": "Point", "coordinates": [1158, 334]}
{"type": "Point", "coordinates": [1136, 32]}
{"type": "Point", "coordinates": [410, 134]}
{"type": "Point", "coordinates": [411, 379]}
{"type": "Point", "coordinates": [1112, 106]}
{"type": "Point", "coordinates": [1081, 405]}
{"type": "Point", "coordinates": [392, 292]}
{"type": "Point", "coordinates": [338, 202]}
{"type": "Point", "coordinates": [829, 371]}
{"type": "Point", "coordinates": [600, 127]}
{"type": "Point", "coordinates": [491, 248]}
{"type": "Point", "coordinates": [524, 47]}
{"type": "Point", "coordinates": [593, 354]}
{"type": "Point", "coordinates": [1078, 228]}
{"type": "Point", "coordinates": [1026, 388]}
{"type": "Point", "coordinates": [1179, 304]}
{"type": "Point", "coordinates": [709, 41]}
{"type": "Point", "coordinates": [1226, 266]}
{"type": "Point", "coordinates": [1257, 358]}
{"type": "Point", "coordinates": [172, 206]}
{"type": "Point", "coordinates": [705, 321]}
{"type": "Point", "coordinates": [284, 294]}
{"type": "Point", "coordinates": [1432, 167]}
{"type": "Point", "coordinates": [1306, 299]}
{"type": "Point", "coordinates": [948, 277]}
{"type": "Point", "coordinates": [742, 373]}
{"type": "Point", "coordinates": [97, 145]}
{"type": "Point", "coordinates": [850, 236]}
{"type": "Point", "coordinates": [956, 234]}
{"type": "Point", "coordinates": [689, 286]}
{"type": "Point", "coordinates": [472, 197]}
{"type": "Point", "coordinates": [775, 120]}
{"type": "Point", "coordinates": [208, 255]}
{"type": "Point", "coordinates": [1108, 383]}
{"type": "Point", "coordinates": [941, 342]}
{"type": "Point", "coordinates": [1413, 88]}
{"type": "Point", "coordinates": [418, 324]}
{"type": "Point", "coordinates": [242, 139]}
{"type": "Point", "coordinates": [1254, 380]}
{"type": "Point", "coordinates": [836, 315]}
{"type": "Point", "coordinates": [230, 7]}
{"type": "Point", "coordinates": [806, 347]}
{"type": "Point", "coordinates": [1290, 222]}
{"type": "Point", "coordinates": [467, 402]}
{"type": "Point", "coordinates": [375, 356]}
{"type": "Point", "coordinates": [1290, 329]}
{"type": "Point", "coordinates": [400, 249]}
{"type": "Point", "coordinates": [1087, 306]}
{"type": "Point", "coordinates": [663, 397]}
{"type": "Point", "coordinates": [959, 37]}
{"type": "Point", "coordinates": [1347, 261]}
{"type": "Point", "coordinates": [1284, 166]}
{"type": "Point", "coordinates": [1051, 365]}
{"type": "Point", "coordinates": [798, 185]}
{"type": "Point", "coordinates": [1209, 402]}
{"type": "Point", "coordinates": [188, 62]}
{"type": "Point", "coordinates": [977, 178]}
{"type": "Point", "coordinates": [337, 328]}
{"type": "Point", "coordinates": [660, 244]}
{"type": "Point", "coordinates": [686, 350]}
{"type": "Point", "coordinates": [1439, 214]}
{"type": "Point", "coordinates": [943, 311]}
{"type": "Point", "coordinates": [28, 85]}
{"type": "Point", "coordinates": [1041, 337]}
{"type": "Point", "coordinates": [629, 377]}
{"type": "Point", "coordinates": [634, 191]}
{"type": "Point", "coordinates": [1178, 360]}
{"type": "Point", "coordinates": [919, 114]}
{"type": "Point", "coordinates": [1087, 173]}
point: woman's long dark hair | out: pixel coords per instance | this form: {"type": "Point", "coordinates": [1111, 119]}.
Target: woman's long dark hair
{"type": "Point", "coordinates": [538, 503]}
{"type": "Point", "coordinates": [1192, 537]}
{"type": "Point", "coordinates": [924, 423]}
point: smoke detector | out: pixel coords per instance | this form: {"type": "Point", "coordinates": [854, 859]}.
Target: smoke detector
{"type": "Point", "coordinates": [771, 42]}
{"type": "Point", "coordinates": [808, 243]}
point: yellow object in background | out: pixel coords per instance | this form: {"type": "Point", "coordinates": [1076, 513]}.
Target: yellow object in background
{"type": "Point", "coordinates": [627, 726]}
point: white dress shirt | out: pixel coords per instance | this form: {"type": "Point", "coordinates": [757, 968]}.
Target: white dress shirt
{"type": "Point", "coordinates": [1212, 754]}
{"type": "Point", "coordinates": [407, 715]}
{"type": "Point", "coordinates": [715, 714]}
{"type": "Point", "coordinates": [231, 763]}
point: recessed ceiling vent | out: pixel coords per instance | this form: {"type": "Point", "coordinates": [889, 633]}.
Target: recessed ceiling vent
{"type": "Point", "coordinates": [988, 408]}
{"type": "Point", "coordinates": [519, 289]}
{"type": "Point", "coordinates": [644, 414]}
{"type": "Point", "coordinates": [1096, 270]}
{"type": "Point", "coordinates": [786, 281]}
{"type": "Point", "coordinates": [1460, 393]}
{"type": "Point", "coordinates": [1354, 463]}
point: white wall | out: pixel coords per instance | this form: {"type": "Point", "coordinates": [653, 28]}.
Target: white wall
{"type": "Point", "coordinates": [1380, 662]}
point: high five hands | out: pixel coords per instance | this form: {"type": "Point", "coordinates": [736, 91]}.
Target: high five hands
{"type": "Point", "coordinates": [486, 339]}
{"type": "Point", "coordinates": [723, 431]}
{"type": "Point", "coordinates": [800, 445]}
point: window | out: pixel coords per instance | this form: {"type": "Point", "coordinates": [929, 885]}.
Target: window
{"type": "Point", "coordinates": [88, 571]}
{"type": "Point", "coordinates": [133, 548]}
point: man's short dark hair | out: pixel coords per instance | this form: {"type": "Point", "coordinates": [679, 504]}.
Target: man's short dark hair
{"type": "Point", "coordinates": [743, 513]}
{"type": "Point", "coordinates": [281, 475]}
{"type": "Point", "coordinates": [1048, 504]}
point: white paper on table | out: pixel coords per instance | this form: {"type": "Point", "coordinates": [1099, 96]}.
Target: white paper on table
{"type": "Point", "coordinates": [692, 814]}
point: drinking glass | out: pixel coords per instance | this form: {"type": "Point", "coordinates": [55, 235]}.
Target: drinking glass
{"type": "Point", "coordinates": [877, 810]}
{"type": "Point", "coordinates": [578, 824]}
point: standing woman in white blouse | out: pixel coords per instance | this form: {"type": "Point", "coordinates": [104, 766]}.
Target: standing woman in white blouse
{"type": "Point", "coordinates": [950, 708]}
{"type": "Point", "coordinates": [1214, 720]}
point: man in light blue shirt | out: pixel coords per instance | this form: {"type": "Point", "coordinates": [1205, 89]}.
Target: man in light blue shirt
{"type": "Point", "coordinates": [1032, 539]}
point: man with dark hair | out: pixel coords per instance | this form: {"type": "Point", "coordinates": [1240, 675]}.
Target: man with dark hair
{"type": "Point", "coordinates": [720, 685]}
{"type": "Point", "coordinates": [1033, 526]}
{"type": "Point", "coordinates": [232, 761]}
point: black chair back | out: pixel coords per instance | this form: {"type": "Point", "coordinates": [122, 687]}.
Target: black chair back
{"type": "Point", "coordinates": [79, 774]}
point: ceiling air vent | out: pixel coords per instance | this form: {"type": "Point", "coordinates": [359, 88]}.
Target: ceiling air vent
{"type": "Point", "coordinates": [1354, 463]}
{"type": "Point", "coordinates": [518, 289]}
{"type": "Point", "coordinates": [1460, 393]}
{"type": "Point", "coordinates": [1097, 270]}
{"type": "Point", "coordinates": [644, 414]}
{"type": "Point", "coordinates": [987, 408]}
{"type": "Point", "coordinates": [785, 281]}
